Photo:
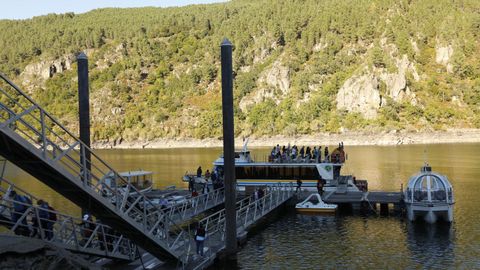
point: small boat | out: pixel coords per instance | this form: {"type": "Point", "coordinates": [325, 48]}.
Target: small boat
{"type": "Point", "coordinates": [313, 204]}
{"type": "Point", "coordinates": [141, 180]}
{"type": "Point", "coordinates": [429, 195]}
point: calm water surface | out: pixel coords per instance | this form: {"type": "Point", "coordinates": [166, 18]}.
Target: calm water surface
{"type": "Point", "coordinates": [354, 242]}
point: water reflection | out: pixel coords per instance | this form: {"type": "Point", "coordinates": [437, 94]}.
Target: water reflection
{"type": "Point", "coordinates": [431, 245]}
{"type": "Point", "coordinates": [347, 242]}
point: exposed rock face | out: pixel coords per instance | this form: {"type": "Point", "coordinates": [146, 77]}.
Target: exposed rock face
{"type": "Point", "coordinates": [112, 58]}
{"type": "Point", "coordinates": [277, 77]}
{"type": "Point", "coordinates": [360, 94]}
{"type": "Point", "coordinates": [443, 55]}
{"type": "Point", "coordinates": [46, 69]}
{"type": "Point", "coordinates": [397, 82]}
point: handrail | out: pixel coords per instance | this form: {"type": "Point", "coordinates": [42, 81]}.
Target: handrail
{"type": "Point", "coordinates": [57, 145]}
{"type": "Point", "coordinates": [248, 210]}
{"type": "Point", "coordinates": [66, 231]}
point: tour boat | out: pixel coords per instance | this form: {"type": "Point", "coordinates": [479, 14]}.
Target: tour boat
{"type": "Point", "coordinates": [429, 195]}
{"type": "Point", "coordinates": [251, 173]}
{"type": "Point", "coordinates": [313, 204]}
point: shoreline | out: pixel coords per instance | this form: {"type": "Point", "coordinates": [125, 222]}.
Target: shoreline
{"type": "Point", "coordinates": [348, 138]}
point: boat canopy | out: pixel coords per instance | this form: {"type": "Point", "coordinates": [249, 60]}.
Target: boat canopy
{"type": "Point", "coordinates": [428, 187]}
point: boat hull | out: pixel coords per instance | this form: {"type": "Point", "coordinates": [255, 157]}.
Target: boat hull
{"type": "Point", "coordinates": [430, 214]}
{"type": "Point", "coordinates": [316, 211]}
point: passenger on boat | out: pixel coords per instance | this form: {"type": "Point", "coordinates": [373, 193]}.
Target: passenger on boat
{"type": "Point", "coordinates": [319, 154]}
{"type": "Point", "coordinates": [294, 152]}
{"type": "Point", "coordinates": [302, 152]}
{"type": "Point", "coordinates": [207, 175]}
{"type": "Point", "coordinates": [315, 154]}
{"type": "Point", "coordinates": [327, 158]}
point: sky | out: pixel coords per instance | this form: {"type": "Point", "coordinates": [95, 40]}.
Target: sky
{"type": "Point", "coordinates": [24, 9]}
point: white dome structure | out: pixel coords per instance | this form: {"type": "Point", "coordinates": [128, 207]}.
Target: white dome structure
{"type": "Point", "coordinates": [429, 195]}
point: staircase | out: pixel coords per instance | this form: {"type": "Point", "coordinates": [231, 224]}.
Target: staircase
{"type": "Point", "coordinates": [37, 143]}
{"type": "Point", "coordinates": [68, 232]}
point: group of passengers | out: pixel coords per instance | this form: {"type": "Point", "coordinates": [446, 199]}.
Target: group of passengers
{"type": "Point", "coordinates": [304, 155]}
{"type": "Point", "coordinates": [214, 176]}
{"type": "Point", "coordinates": [35, 222]}
{"type": "Point", "coordinates": [39, 222]}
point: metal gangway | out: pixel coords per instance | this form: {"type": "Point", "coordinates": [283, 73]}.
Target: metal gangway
{"type": "Point", "coordinates": [61, 230]}
{"type": "Point", "coordinates": [184, 211]}
{"type": "Point", "coordinates": [249, 211]}
{"type": "Point", "coordinates": [36, 142]}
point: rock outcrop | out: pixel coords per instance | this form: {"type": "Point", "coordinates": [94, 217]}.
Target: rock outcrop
{"type": "Point", "coordinates": [360, 94]}
{"type": "Point", "coordinates": [443, 54]}
{"type": "Point", "coordinates": [396, 83]}
{"type": "Point", "coordinates": [46, 69]}
{"type": "Point", "coordinates": [273, 83]}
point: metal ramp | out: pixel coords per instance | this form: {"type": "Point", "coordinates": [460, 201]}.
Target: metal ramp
{"type": "Point", "coordinates": [34, 141]}
{"type": "Point", "coordinates": [65, 231]}
{"type": "Point", "coordinates": [248, 212]}
{"type": "Point", "coordinates": [196, 205]}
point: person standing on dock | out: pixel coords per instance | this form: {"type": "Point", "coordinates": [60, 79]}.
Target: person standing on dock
{"type": "Point", "coordinates": [320, 186]}
{"type": "Point", "coordinates": [190, 183]}
{"type": "Point", "coordinates": [200, 239]}
{"type": "Point", "coordinates": [299, 185]}
{"type": "Point", "coordinates": [199, 171]}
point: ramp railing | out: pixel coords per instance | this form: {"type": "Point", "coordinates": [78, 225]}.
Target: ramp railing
{"type": "Point", "coordinates": [249, 210]}
{"type": "Point", "coordinates": [25, 121]}
{"type": "Point", "coordinates": [28, 218]}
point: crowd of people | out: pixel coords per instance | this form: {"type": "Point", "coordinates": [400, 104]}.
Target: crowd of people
{"type": "Point", "coordinates": [197, 187]}
{"type": "Point", "coordinates": [39, 222]}
{"type": "Point", "coordinates": [305, 154]}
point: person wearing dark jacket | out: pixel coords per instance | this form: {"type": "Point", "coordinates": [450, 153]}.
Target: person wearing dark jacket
{"type": "Point", "coordinates": [200, 239]}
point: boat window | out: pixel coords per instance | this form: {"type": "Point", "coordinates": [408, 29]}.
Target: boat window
{"type": "Point", "coordinates": [277, 172]}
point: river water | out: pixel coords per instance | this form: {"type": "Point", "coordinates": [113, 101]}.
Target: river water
{"type": "Point", "coordinates": [346, 241]}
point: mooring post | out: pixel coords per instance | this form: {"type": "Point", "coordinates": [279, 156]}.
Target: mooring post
{"type": "Point", "coordinates": [228, 150]}
{"type": "Point", "coordinates": [84, 115]}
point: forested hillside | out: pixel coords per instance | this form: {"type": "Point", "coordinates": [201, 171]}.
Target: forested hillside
{"type": "Point", "coordinates": [301, 67]}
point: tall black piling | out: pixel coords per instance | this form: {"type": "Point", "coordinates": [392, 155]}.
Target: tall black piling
{"type": "Point", "coordinates": [229, 150]}
{"type": "Point", "coordinates": [84, 113]}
